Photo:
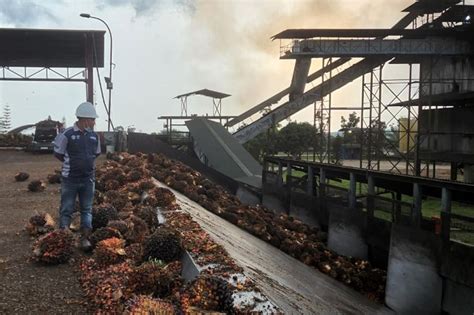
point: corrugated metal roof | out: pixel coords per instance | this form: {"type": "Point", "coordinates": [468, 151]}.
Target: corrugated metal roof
{"type": "Point", "coordinates": [49, 47]}
{"type": "Point", "coordinates": [206, 92]}
{"type": "Point", "coordinates": [367, 33]}
{"type": "Point", "coordinates": [223, 152]}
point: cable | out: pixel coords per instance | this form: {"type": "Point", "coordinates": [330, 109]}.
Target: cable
{"type": "Point", "coordinates": [100, 84]}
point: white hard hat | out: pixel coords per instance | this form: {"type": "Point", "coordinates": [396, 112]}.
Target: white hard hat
{"type": "Point", "coordinates": [86, 110]}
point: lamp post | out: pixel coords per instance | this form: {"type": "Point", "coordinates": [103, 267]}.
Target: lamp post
{"type": "Point", "coordinates": [108, 80]}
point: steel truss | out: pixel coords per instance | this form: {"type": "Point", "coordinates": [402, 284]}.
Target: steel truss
{"type": "Point", "coordinates": [322, 118]}
{"type": "Point", "coordinates": [43, 74]}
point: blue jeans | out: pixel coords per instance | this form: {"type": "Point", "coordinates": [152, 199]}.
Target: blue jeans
{"type": "Point", "coordinates": [70, 188]}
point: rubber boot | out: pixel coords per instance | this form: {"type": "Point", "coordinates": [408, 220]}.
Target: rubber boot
{"type": "Point", "coordinates": [84, 243]}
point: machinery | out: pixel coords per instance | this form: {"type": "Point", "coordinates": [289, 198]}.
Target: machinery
{"type": "Point", "coordinates": [46, 132]}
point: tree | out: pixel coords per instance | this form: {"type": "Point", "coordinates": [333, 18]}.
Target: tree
{"type": "Point", "coordinates": [350, 129]}
{"type": "Point", "coordinates": [5, 120]}
{"type": "Point", "coordinates": [263, 144]}
{"type": "Point", "coordinates": [351, 123]}
{"type": "Point", "coordinates": [296, 138]}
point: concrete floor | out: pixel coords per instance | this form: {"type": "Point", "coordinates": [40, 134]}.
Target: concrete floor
{"type": "Point", "coordinates": [291, 285]}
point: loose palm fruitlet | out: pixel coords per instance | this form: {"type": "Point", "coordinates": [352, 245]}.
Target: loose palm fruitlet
{"type": "Point", "coordinates": [36, 186]}
{"type": "Point", "coordinates": [40, 223]}
{"type": "Point", "coordinates": [22, 176]}
{"type": "Point", "coordinates": [162, 245]}
{"type": "Point", "coordinates": [211, 294]}
{"type": "Point", "coordinates": [104, 233]}
{"type": "Point", "coordinates": [53, 248]}
{"type": "Point", "coordinates": [102, 215]}
{"type": "Point", "coordinates": [143, 304]}
{"type": "Point", "coordinates": [110, 251]}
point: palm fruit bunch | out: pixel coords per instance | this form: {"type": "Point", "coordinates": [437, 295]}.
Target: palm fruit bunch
{"type": "Point", "coordinates": [149, 215]}
{"type": "Point", "coordinates": [145, 185]}
{"type": "Point", "coordinates": [116, 199]}
{"type": "Point", "coordinates": [110, 251]}
{"type": "Point", "coordinates": [54, 178]}
{"type": "Point", "coordinates": [102, 215]}
{"type": "Point", "coordinates": [137, 230]}
{"type": "Point", "coordinates": [22, 176]}
{"type": "Point", "coordinates": [133, 197]}
{"type": "Point", "coordinates": [104, 233]}
{"type": "Point", "coordinates": [36, 186]}
{"type": "Point", "coordinates": [106, 287]}
{"type": "Point", "coordinates": [144, 304]}
{"type": "Point", "coordinates": [55, 247]}
{"type": "Point", "coordinates": [160, 197]}
{"type": "Point", "coordinates": [112, 185]}
{"type": "Point", "coordinates": [40, 223]}
{"type": "Point", "coordinates": [164, 245]}
{"type": "Point", "coordinates": [119, 225]}
{"type": "Point", "coordinates": [211, 294]}
{"type": "Point", "coordinates": [135, 175]}
{"type": "Point", "coordinates": [134, 253]}
{"type": "Point", "coordinates": [151, 278]}
{"type": "Point", "coordinates": [99, 197]}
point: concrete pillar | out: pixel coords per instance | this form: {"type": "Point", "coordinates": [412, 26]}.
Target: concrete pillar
{"type": "Point", "coordinates": [370, 196]}
{"type": "Point", "coordinates": [352, 192]}
{"type": "Point", "coordinates": [414, 285]}
{"type": "Point", "coordinates": [280, 174]}
{"type": "Point", "coordinates": [309, 184]}
{"type": "Point", "coordinates": [468, 173]}
{"type": "Point", "coordinates": [417, 201]}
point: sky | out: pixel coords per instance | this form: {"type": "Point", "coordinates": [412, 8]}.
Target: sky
{"type": "Point", "coordinates": [163, 48]}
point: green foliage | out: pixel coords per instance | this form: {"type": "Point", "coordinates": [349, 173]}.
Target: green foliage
{"type": "Point", "coordinates": [263, 144]}
{"type": "Point", "coordinates": [351, 122]}
{"type": "Point", "coordinates": [296, 138]}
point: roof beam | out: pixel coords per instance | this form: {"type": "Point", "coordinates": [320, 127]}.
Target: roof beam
{"type": "Point", "coordinates": [320, 48]}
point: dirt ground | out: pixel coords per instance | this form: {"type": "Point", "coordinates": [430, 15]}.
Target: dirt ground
{"type": "Point", "coordinates": [26, 287]}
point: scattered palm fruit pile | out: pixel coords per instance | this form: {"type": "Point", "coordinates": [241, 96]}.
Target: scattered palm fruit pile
{"type": "Point", "coordinates": [15, 140]}
{"type": "Point", "coordinates": [36, 186]}
{"type": "Point", "coordinates": [210, 293]}
{"type": "Point", "coordinates": [135, 267]}
{"type": "Point", "coordinates": [290, 235]}
{"type": "Point", "coordinates": [53, 248]}
{"type": "Point", "coordinates": [22, 176]}
{"type": "Point", "coordinates": [40, 223]}
{"type": "Point", "coordinates": [145, 304]}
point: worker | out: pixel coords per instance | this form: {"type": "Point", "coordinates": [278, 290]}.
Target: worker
{"type": "Point", "coordinates": [78, 147]}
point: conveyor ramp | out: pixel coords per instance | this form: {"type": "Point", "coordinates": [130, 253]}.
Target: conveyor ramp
{"type": "Point", "coordinates": [217, 148]}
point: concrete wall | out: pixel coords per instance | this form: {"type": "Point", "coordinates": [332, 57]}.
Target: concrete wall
{"type": "Point", "coordinates": [246, 196]}
{"type": "Point", "coordinates": [457, 268]}
{"type": "Point", "coordinates": [414, 285]}
{"type": "Point", "coordinates": [346, 232]}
